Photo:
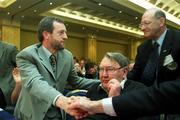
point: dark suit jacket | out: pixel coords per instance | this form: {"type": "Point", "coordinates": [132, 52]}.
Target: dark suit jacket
{"type": "Point", "coordinates": [2, 100]}
{"type": "Point", "coordinates": [149, 101]}
{"type": "Point", "coordinates": [168, 72]}
{"type": "Point", "coordinates": [96, 93]}
{"type": "Point", "coordinates": [7, 63]}
{"type": "Point", "coordinates": [39, 84]}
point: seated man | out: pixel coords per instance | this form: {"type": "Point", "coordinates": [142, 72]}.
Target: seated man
{"type": "Point", "coordinates": [114, 67]}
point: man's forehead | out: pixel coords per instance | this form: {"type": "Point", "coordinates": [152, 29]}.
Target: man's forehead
{"type": "Point", "coordinates": [108, 62]}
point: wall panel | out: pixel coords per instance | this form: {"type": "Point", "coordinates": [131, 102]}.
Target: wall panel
{"type": "Point", "coordinates": [103, 47]}
{"type": "Point", "coordinates": [28, 38]}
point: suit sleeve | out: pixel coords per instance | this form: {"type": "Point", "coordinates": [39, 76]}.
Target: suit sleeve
{"type": "Point", "coordinates": [77, 82]}
{"type": "Point", "coordinates": [149, 101]}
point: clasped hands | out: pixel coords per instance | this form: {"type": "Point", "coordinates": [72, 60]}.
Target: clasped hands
{"type": "Point", "coordinates": [80, 107]}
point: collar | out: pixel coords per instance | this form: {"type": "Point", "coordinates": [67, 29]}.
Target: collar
{"type": "Point", "coordinates": [123, 82]}
{"type": "Point", "coordinates": [47, 52]}
{"type": "Point", "coordinates": [161, 38]}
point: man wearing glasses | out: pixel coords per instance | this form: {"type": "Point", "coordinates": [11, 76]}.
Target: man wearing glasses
{"type": "Point", "coordinates": [114, 67]}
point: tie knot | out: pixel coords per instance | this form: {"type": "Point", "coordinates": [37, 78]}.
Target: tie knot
{"type": "Point", "coordinates": [155, 45]}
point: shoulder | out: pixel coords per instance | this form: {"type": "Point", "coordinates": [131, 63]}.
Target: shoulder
{"type": "Point", "coordinates": [134, 84]}
{"type": "Point", "coordinates": [145, 44]}
{"type": "Point", "coordinates": [66, 54]}
{"type": "Point", "coordinates": [30, 50]}
{"type": "Point", "coordinates": [66, 51]}
{"type": "Point", "coordinates": [176, 32]}
{"type": "Point", "coordinates": [6, 45]}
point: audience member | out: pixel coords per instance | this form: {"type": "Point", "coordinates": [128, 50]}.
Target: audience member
{"type": "Point", "coordinates": [7, 64]}
{"type": "Point", "coordinates": [46, 68]}
{"type": "Point", "coordinates": [77, 67]}
{"type": "Point", "coordinates": [82, 63]}
{"type": "Point", "coordinates": [131, 65]}
{"type": "Point", "coordinates": [91, 70]}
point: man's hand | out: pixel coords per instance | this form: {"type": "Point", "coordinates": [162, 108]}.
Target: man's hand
{"type": "Point", "coordinates": [114, 88]}
{"type": "Point", "coordinates": [84, 104]}
{"type": "Point", "coordinates": [65, 102]}
{"type": "Point", "coordinates": [16, 75]}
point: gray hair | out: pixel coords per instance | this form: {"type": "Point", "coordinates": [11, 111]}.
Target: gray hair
{"type": "Point", "coordinates": [159, 13]}
{"type": "Point", "coordinates": [118, 57]}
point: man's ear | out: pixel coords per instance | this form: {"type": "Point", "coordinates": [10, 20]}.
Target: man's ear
{"type": "Point", "coordinates": [162, 22]}
{"type": "Point", "coordinates": [45, 35]}
{"type": "Point", "coordinates": [126, 70]}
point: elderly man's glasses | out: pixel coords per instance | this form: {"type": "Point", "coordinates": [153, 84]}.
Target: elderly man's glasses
{"type": "Point", "coordinates": [108, 69]}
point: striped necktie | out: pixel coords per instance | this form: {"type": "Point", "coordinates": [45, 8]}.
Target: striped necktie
{"type": "Point", "coordinates": [53, 63]}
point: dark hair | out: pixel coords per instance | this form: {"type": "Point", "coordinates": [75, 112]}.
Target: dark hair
{"type": "Point", "coordinates": [158, 14]}
{"type": "Point", "coordinates": [46, 24]}
{"type": "Point", "coordinates": [118, 57]}
{"type": "Point", "coordinates": [89, 65]}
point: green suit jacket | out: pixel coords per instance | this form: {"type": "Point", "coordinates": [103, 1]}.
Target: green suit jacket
{"type": "Point", "coordinates": [39, 85]}
{"type": "Point", "coordinates": [7, 63]}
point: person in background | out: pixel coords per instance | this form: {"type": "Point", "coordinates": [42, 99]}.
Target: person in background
{"type": "Point", "coordinates": [82, 63]}
{"type": "Point", "coordinates": [7, 64]}
{"type": "Point", "coordinates": [91, 70]}
{"type": "Point", "coordinates": [45, 69]}
{"type": "Point", "coordinates": [131, 65]}
{"type": "Point", "coordinates": [77, 67]}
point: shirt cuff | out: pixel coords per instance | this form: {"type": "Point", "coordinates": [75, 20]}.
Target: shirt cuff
{"type": "Point", "coordinates": [108, 107]}
{"type": "Point", "coordinates": [54, 101]}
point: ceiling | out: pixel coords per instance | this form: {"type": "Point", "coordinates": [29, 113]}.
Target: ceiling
{"type": "Point", "coordinates": [118, 15]}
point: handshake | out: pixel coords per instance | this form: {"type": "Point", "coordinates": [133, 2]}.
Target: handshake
{"type": "Point", "coordinates": [80, 107]}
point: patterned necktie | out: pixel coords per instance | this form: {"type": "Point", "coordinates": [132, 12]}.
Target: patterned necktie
{"type": "Point", "coordinates": [53, 63]}
{"type": "Point", "coordinates": [149, 74]}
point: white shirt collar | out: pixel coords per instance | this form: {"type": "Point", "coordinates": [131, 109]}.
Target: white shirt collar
{"type": "Point", "coordinates": [122, 83]}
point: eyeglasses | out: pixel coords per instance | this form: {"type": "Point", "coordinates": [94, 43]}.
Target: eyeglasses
{"type": "Point", "coordinates": [108, 69]}
{"type": "Point", "coordinates": [145, 23]}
